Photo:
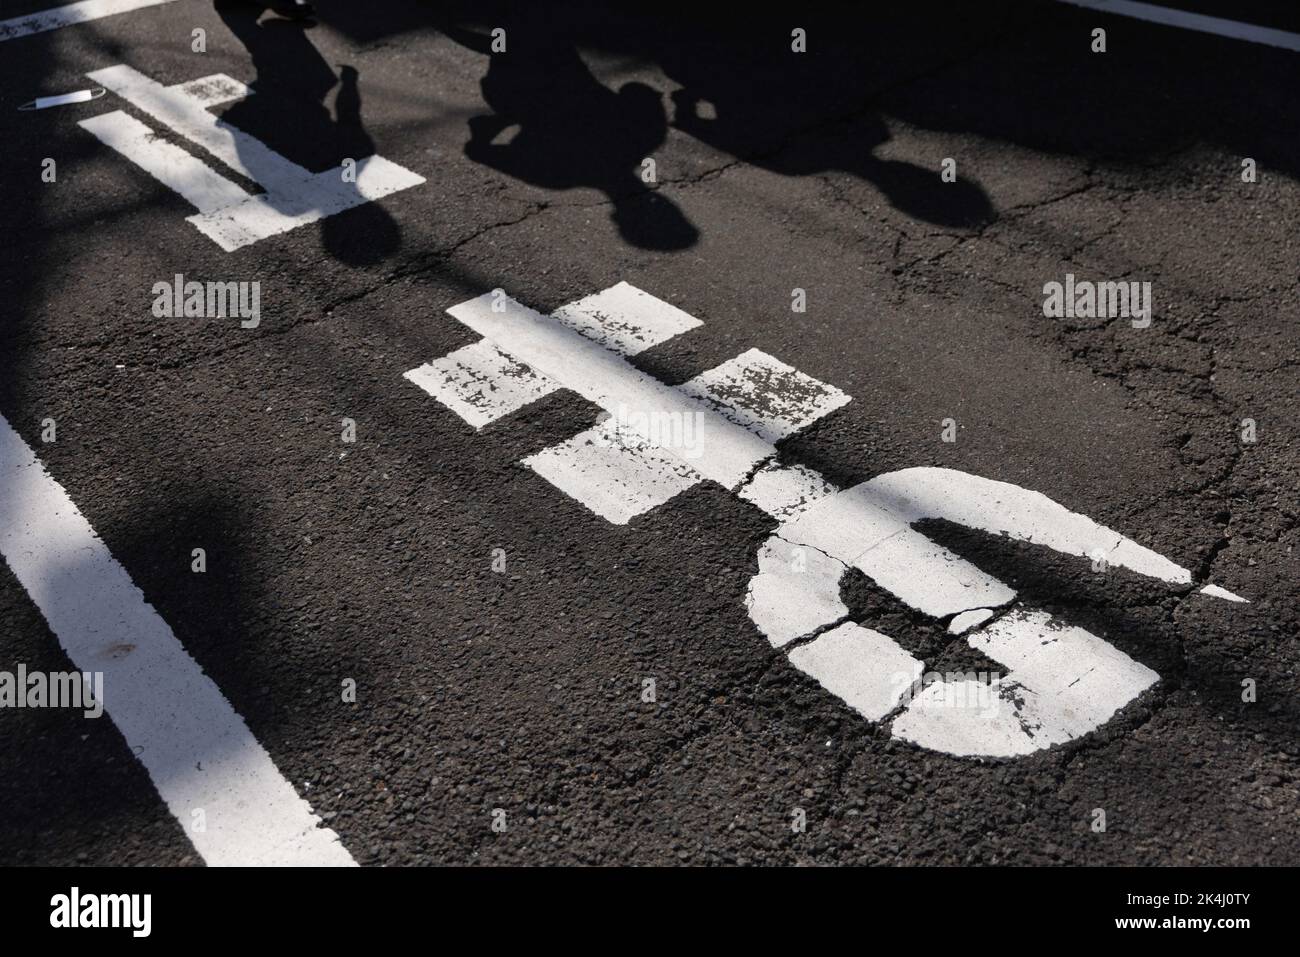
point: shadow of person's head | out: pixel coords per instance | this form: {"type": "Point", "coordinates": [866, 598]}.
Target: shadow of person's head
{"type": "Point", "coordinates": [922, 194]}
{"type": "Point", "coordinates": [362, 236]}
{"type": "Point", "coordinates": [652, 221]}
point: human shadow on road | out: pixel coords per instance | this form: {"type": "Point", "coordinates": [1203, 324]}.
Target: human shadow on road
{"type": "Point", "coordinates": [572, 131]}
{"type": "Point", "coordinates": [744, 93]}
{"type": "Point", "coordinates": [738, 91]}
{"type": "Point", "coordinates": [289, 113]}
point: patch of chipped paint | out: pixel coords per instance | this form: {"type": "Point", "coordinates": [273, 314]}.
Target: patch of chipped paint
{"type": "Point", "coordinates": [969, 619]}
{"type": "Point", "coordinates": [1214, 591]}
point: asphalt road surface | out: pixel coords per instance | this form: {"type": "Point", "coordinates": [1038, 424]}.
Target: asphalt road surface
{"type": "Point", "coordinates": [452, 660]}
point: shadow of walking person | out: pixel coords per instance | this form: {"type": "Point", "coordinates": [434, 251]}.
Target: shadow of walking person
{"type": "Point", "coordinates": [288, 113]}
{"type": "Point", "coordinates": [738, 98]}
{"type": "Point", "coordinates": [570, 131]}
{"type": "Point", "coordinates": [366, 234]}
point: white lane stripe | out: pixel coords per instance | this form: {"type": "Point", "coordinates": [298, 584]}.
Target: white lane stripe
{"type": "Point", "coordinates": [197, 750]}
{"type": "Point", "coordinates": [70, 15]}
{"type": "Point", "coordinates": [613, 473]}
{"type": "Point", "coordinates": [1199, 22]}
{"type": "Point", "coordinates": [480, 383]}
{"type": "Point", "coordinates": [294, 196]}
{"type": "Point", "coordinates": [213, 90]}
{"type": "Point", "coordinates": [186, 115]}
{"type": "Point", "coordinates": [321, 195]}
{"type": "Point", "coordinates": [625, 319]}
{"type": "Point", "coordinates": [765, 395]}
{"type": "Point", "coordinates": [727, 451]}
{"type": "Point", "coordinates": [176, 169]}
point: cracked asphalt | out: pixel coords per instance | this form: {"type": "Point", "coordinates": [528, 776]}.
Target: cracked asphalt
{"type": "Point", "coordinates": [522, 691]}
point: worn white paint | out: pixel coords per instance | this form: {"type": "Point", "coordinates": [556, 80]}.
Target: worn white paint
{"type": "Point", "coordinates": [293, 197]}
{"type": "Point", "coordinates": [213, 90]}
{"type": "Point", "coordinates": [176, 169]}
{"type": "Point", "coordinates": [605, 378]}
{"type": "Point", "coordinates": [785, 491]}
{"type": "Point", "coordinates": [732, 413]}
{"type": "Point", "coordinates": [1061, 681]}
{"type": "Point", "coordinates": [796, 591]}
{"type": "Point", "coordinates": [617, 475]}
{"type": "Point", "coordinates": [480, 383]}
{"type": "Point", "coordinates": [197, 750]}
{"type": "Point", "coordinates": [967, 620]}
{"type": "Point", "coordinates": [69, 15]}
{"type": "Point", "coordinates": [870, 526]}
{"type": "Point", "coordinates": [1214, 591]}
{"type": "Point", "coordinates": [764, 395]}
{"type": "Point", "coordinates": [863, 668]}
{"type": "Point", "coordinates": [324, 194]}
{"type": "Point", "coordinates": [625, 319]}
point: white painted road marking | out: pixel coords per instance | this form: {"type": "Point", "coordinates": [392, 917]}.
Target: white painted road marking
{"type": "Point", "coordinates": [625, 319]}
{"type": "Point", "coordinates": [617, 476]}
{"type": "Point", "coordinates": [294, 196]}
{"type": "Point", "coordinates": [197, 750]}
{"type": "Point", "coordinates": [70, 15]}
{"type": "Point", "coordinates": [550, 347]}
{"type": "Point", "coordinates": [194, 180]}
{"type": "Point", "coordinates": [1062, 681]}
{"type": "Point", "coordinates": [1199, 22]}
{"type": "Point", "coordinates": [766, 396]}
{"type": "Point", "coordinates": [480, 383]}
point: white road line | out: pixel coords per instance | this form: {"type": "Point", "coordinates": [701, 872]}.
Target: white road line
{"type": "Point", "coordinates": [70, 15]}
{"type": "Point", "coordinates": [1199, 22]}
{"type": "Point", "coordinates": [625, 319]}
{"type": "Point", "coordinates": [294, 196]}
{"type": "Point", "coordinates": [607, 379]}
{"type": "Point", "coordinates": [176, 169]}
{"type": "Point", "coordinates": [198, 752]}
{"type": "Point", "coordinates": [324, 194]}
{"type": "Point", "coordinates": [480, 383]}
{"type": "Point", "coordinates": [614, 474]}
{"type": "Point", "coordinates": [188, 116]}
{"type": "Point", "coordinates": [765, 395]}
